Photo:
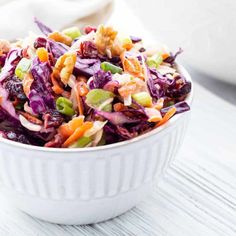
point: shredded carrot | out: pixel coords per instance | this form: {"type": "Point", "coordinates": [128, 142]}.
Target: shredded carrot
{"type": "Point", "coordinates": [132, 66]}
{"type": "Point", "coordinates": [42, 54]}
{"type": "Point", "coordinates": [127, 45]}
{"type": "Point", "coordinates": [127, 89]}
{"type": "Point", "coordinates": [82, 88]}
{"type": "Point", "coordinates": [69, 128]}
{"type": "Point", "coordinates": [165, 55]}
{"type": "Point", "coordinates": [119, 107]}
{"type": "Point", "coordinates": [27, 81]}
{"type": "Point", "coordinates": [167, 116]}
{"type": "Point", "coordinates": [76, 122]}
{"type": "Point", "coordinates": [79, 101]}
{"type": "Point", "coordinates": [80, 104]}
{"type": "Point", "coordinates": [1, 99]}
{"type": "Point", "coordinates": [77, 134]}
{"type": "Point", "coordinates": [57, 89]}
{"type": "Point", "coordinates": [64, 130]}
{"type": "Point", "coordinates": [154, 119]}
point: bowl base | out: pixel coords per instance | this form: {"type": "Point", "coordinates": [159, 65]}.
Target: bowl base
{"type": "Point", "coordinates": [78, 212]}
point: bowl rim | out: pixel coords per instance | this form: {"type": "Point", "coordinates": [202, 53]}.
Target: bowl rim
{"type": "Point", "coordinates": [155, 131]}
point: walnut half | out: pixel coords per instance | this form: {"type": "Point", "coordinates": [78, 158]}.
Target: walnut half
{"type": "Point", "coordinates": [107, 42]}
{"type": "Point", "coordinates": [65, 65]}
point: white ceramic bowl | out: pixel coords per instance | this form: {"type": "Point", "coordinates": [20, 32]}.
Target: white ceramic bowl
{"type": "Point", "coordinates": [82, 186]}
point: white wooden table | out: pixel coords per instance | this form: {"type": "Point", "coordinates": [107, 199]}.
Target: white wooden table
{"type": "Point", "coordinates": [197, 194]}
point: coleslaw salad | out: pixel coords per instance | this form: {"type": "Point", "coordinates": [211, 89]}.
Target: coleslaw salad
{"type": "Point", "coordinates": [79, 89]}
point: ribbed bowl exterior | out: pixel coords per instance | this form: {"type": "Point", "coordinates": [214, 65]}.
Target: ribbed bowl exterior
{"type": "Point", "coordinates": [76, 187]}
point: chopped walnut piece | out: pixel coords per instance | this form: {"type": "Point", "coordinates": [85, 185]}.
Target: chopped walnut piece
{"type": "Point", "coordinates": [106, 41]}
{"type": "Point", "coordinates": [60, 37]}
{"type": "Point", "coordinates": [31, 118]}
{"type": "Point", "coordinates": [5, 46]}
{"type": "Point", "coordinates": [65, 65]}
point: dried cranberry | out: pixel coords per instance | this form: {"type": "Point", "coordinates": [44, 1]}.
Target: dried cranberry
{"type": "Point", "coordinates": [40, 42]}
{"type": "Point", "coordinates": [57, 141]}
{"type": "Point", "coordinates": [52, 119]}
{"type": "Point", "coordinates": [89, 29]}
{"type": "Point", "coordinates": [142, 49]}
{"type": "Point", "coordinates": [2, 60]}
{"type": "Point", "coordinates": [125, 133]}
{"type": "Point", "coordinates": [15, 89]}
{"type": "Point", "coordinates": [142, 127]}
{"type": "Point", "coordinates": [21, 138]}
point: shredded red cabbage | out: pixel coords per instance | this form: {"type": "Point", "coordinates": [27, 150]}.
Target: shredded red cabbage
{"type": "Point", "coordinates": [180, 108]}
{"type": "Point", "coordinates": [43, 28]}
{"type": "Point", "coordinates": [40, 96]}
{"type": "Point", "coordinates": [100, 79]}
{"type": "Point", "coordinates": [12, 59]}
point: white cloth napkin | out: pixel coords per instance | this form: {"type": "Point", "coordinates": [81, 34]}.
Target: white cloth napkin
{"type": "Point", "coordinates": [16, 18]}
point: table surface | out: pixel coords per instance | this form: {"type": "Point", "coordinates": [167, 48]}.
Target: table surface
{"type": "Point", "coordinates": [197, 194]}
